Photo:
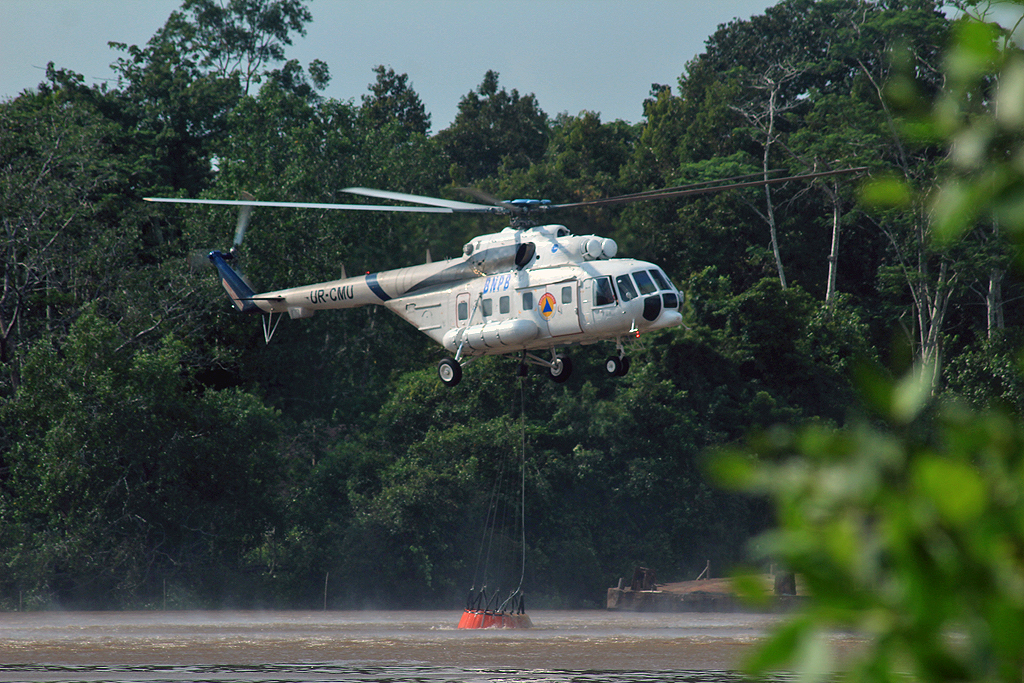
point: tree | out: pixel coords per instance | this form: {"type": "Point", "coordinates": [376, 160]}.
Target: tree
{"type": "Point", "coordinates": [802, 87]}
{"type": "Point", "coordinates": [233, 38]}
{"type": "Point", "coordinates": [62, 170]}
{"type": "Point", "coordinates": [770, 85]}
{"type": "Point", "coordinates": [493, 128]}
{"type": "Point", "coordinates": [179, 110]}
{"type": "Point", "coordinates": [581, 162]}
{"type": "Point", "coordinates": [121, 477]}
{"type": "Point", "coordinates": [178, 90]}
{"type": "Point", "coordinates": [392, 99]}
{"type": "Point", "coordinates": [131, 413]}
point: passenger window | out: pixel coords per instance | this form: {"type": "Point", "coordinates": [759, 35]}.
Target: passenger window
{"type": "Point", "coordinates": [487, 305]}
{"type": "Point", "coordinates": [503, 305]}
{"type": "Point", "coordinates": [566, 295]}
{"type": "Point", "coordinates": [644, 282]}
{"type": "Point", "coordinates": [527, 301]}
{"type": "Point", "coordinates": [626, 290]}
{"type": "Point", "coordinates": [660, 278]}
{"type": "Point", "coordinates": [463, 310]}
{"type": "Point", "coordinates": [603, 292]}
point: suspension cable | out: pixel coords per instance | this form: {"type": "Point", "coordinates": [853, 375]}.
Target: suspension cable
{"type": "Point", "coordinates": [522, 478]}
{"type": "Point", "coordinates": [490, 522]}
{"type": "Point", "coordinates": [496, 517]}
{"type": "Point", "coordinates": [522, 495]}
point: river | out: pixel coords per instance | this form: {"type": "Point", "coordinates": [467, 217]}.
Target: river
{"type": "Point", "coordinates": [379, 647]}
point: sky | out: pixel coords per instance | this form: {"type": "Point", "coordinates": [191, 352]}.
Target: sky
{"type": "Point", "coordinates": [573, 55]}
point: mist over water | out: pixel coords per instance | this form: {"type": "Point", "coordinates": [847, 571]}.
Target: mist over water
{"type": "Point", "coordinates": [373, 646]}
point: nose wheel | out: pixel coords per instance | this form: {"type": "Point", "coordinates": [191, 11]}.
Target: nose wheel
{"type": "Point", "coordinates": [617, 366]}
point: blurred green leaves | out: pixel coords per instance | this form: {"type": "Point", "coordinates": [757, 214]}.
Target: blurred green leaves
{"type": "Point", "coordinates": [908, 535]}
{"type": "Point", "coordinates": [907, 526]}
{"type": "Point", "coordinates": [980, 116]}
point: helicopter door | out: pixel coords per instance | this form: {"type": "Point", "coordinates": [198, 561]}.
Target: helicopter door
{"type": "Point", "coordinates": [561, 303]}
{"type": "Point", "coordinates": [598, 302]}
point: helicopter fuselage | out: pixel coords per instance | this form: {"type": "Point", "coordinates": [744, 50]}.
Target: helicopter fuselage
{"type": "Point", "coordinates": [517, 290]}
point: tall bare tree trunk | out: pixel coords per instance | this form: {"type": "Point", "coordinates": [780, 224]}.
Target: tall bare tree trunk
{"type": "Point", "coordinates": [994, 301]}
{"type": "Point", "coordinates": [769, 208]}
{"type": "Point", "coordinates": [833, 254]}
{"type": "Point", "coordinates": [932, 302]}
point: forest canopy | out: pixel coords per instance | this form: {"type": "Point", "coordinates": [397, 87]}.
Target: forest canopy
{"type": "Point", "coordinates": [154, 450]}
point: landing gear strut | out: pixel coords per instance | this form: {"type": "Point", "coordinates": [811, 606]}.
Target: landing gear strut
{"type": "Point", "coordinates": [617, 366]}
{"type": "Point", "coordinates": [559, 367]}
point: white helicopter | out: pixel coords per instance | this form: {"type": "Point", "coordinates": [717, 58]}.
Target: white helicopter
{"type": "Point", "coordinates": [530, 289]}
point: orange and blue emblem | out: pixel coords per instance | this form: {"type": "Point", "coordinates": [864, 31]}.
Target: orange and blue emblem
{"type": "Point", "coordinates": [547, 305]}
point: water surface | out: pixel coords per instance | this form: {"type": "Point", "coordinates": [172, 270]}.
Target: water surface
{"type": "Point", "coordinates": [372, 646]}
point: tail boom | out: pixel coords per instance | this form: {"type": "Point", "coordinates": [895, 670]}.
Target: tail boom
{"type": "Point", "coordinates": [364, 290]}
{"type": "Point", "coordinates": [241, 294]}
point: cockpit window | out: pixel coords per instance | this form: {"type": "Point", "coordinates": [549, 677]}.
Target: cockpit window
{"type": "Point", "coordinates": [644, 282]}
{"type": "Point", "coordinates": [603, 292]}
{"type": "Point", "coordinates": [626, 290]}
{"type": "Point", "coordinates": [660, 278]}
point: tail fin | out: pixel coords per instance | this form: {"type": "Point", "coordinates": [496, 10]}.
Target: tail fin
{"type": "Point", "coordinates": [237, 289]}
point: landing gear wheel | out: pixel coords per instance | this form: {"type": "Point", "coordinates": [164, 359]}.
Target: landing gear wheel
{"type": "Point", "coordinates": [449, 371]}
{"type": "Point", "coordinates": [523, 370]}
{"type": "Point", "coordinates": [617, 366]}
{"type": "Point", "coordinates": [561, 368]}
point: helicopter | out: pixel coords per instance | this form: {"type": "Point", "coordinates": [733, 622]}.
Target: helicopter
{"type": "Point", "coordinates": [532, 288]}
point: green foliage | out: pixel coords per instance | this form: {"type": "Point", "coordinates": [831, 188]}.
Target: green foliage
{"type": "Point", "coordinates": [903, 532]}
{"type": "Point", "coordinates": [905, 526]}
{"type": "Point", "coordinates": [237, 39]}
{"type": "Point", "coordinates": [392, 100]}
{"type": "Point", "coordinates": [989, 372]}
{"type": "Point", "coordinates": [149, 436]}
{"type": "Point", "coordinates": [494, 129]}
{"type": "Point", "coordinates": [121, 476]}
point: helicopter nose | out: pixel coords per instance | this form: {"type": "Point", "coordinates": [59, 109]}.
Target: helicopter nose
{"type": "Point", "coordinates": [668, 318]}
{"type": "Point", "coordinates": [652, 307]}
{"type": "Point", "coordinates": [665, 317]}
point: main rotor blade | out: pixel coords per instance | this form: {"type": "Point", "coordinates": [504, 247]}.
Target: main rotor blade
{"type": "Point", "coordinates": [703, 183]}
{"type": "Point", "coordinates": [456, 206]}
{"type": "Point", "coordinates": [303, 205]}
{"type": "Point", "coordinates": [687, 190]}
{"type": "Point", "coordinates": [482, 196]}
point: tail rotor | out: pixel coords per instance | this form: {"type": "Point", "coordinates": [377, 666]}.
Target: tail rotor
{"type": "Point", "coordinates": [200, 258]}
{"type": "Point", "coordinates": [238, 286]}
{"type": "Point", "coordinates": [244, 213]}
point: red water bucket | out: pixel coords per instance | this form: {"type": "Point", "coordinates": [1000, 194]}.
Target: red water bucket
{"type": "Point", "coordinates": [475, 618]}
